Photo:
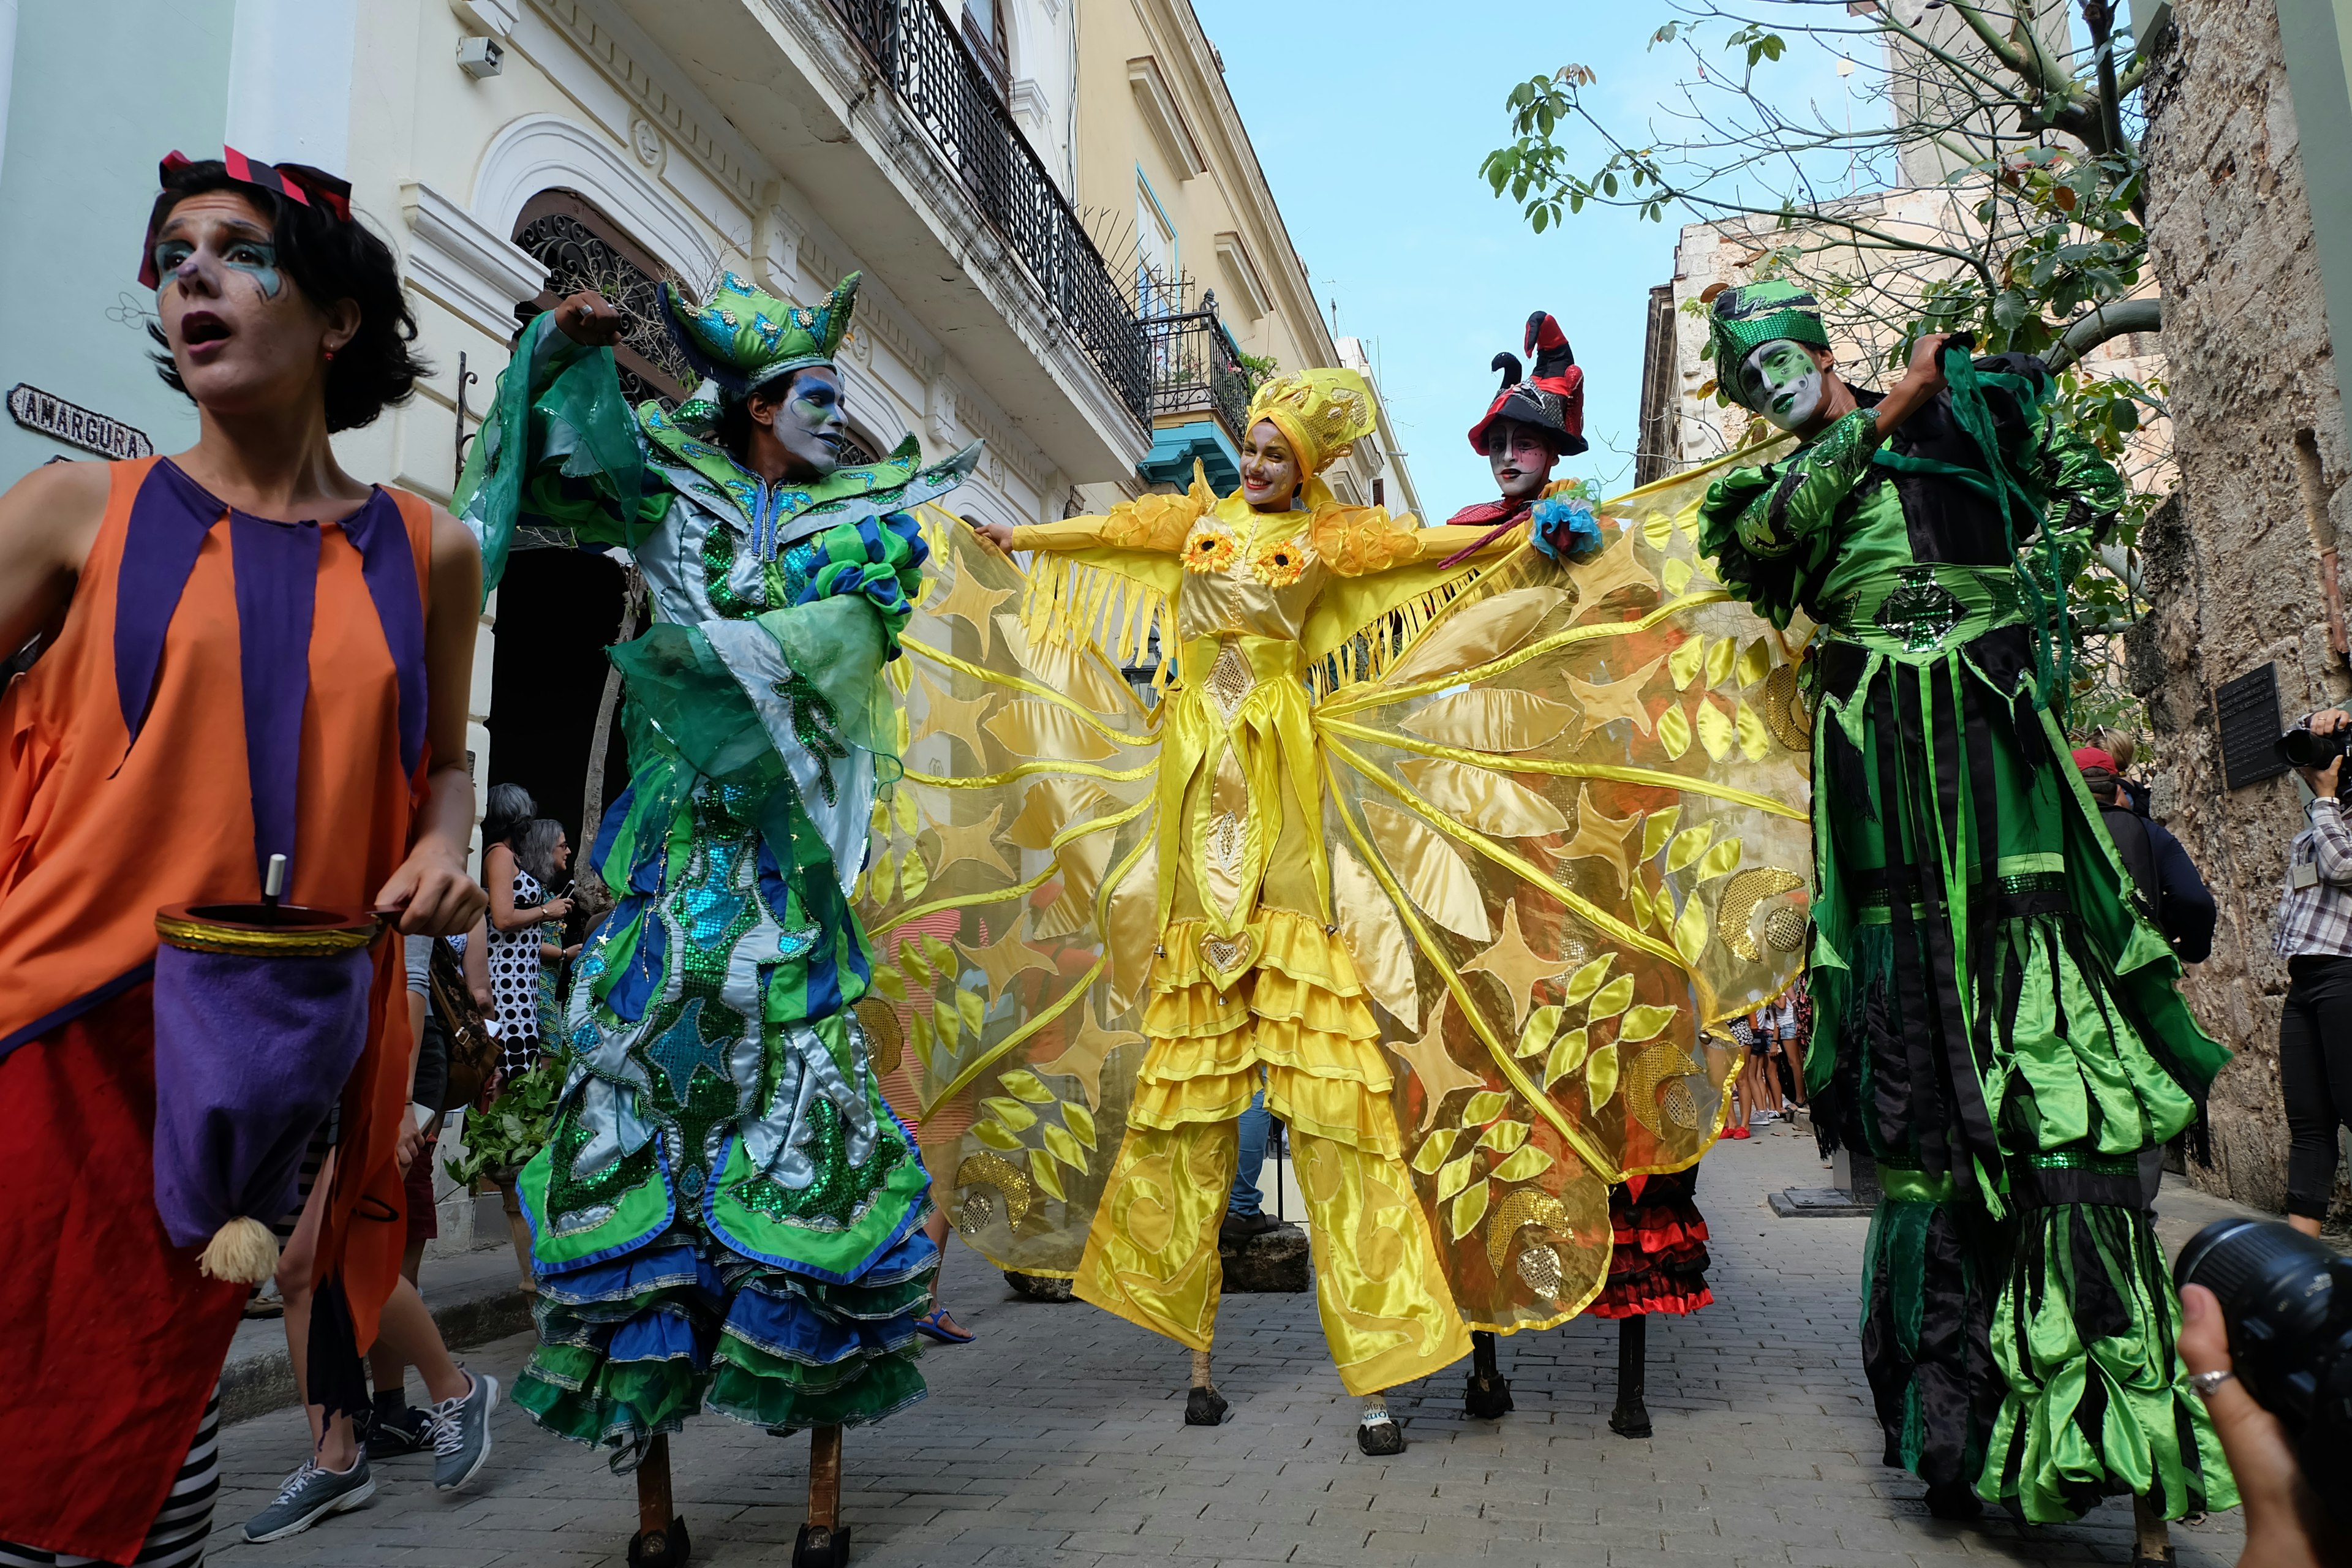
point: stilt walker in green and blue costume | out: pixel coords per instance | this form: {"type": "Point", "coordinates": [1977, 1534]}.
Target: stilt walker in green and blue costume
{"type": "Point", "coordinates": [1995, 1022]}
{"type": "Point", "coordinates": [727, 1213]}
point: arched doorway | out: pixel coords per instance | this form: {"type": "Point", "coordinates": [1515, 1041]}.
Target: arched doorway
{"type": "Point", "coordinates": [561, 605]}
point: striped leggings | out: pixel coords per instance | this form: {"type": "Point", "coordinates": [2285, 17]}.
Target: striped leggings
{"type": "Point", "coordinates": [176, 1539]}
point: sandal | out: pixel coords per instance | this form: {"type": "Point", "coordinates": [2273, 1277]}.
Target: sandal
{"type": "Point", "coordinates": [937, 1325]}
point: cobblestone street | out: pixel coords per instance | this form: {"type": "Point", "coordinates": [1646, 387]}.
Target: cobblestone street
{"type": "Point", "coordinates": [1057, 1439]}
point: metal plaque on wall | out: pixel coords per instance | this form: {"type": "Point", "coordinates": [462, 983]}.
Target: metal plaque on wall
{"type": "Point", "coordinates": [75, 426]}
{"type": "Point", "coordinates": [2247, 710]}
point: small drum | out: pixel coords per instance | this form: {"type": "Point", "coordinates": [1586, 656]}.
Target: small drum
{"type": "Point", "coordinates": [261, 1010]}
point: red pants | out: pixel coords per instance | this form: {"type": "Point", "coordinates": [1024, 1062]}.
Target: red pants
{"type": "Point", "coordinates": [114, 1339]}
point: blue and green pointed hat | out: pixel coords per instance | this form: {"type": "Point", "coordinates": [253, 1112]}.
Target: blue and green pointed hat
{"type": "Point", "coordinates": [743, 339]}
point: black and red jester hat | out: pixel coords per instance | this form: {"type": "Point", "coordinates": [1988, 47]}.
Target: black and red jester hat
{"type": "Point", "coordinates": [1552, 399]}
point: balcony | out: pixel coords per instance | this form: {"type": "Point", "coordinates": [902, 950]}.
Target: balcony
{"type": "Point", "coordinates": [1200, 393]}
{"type": "Point", "coordinates": [939, 81]}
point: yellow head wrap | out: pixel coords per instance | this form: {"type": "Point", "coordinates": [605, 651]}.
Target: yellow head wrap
{"type": "Point", "coordinates": [1321, 413]}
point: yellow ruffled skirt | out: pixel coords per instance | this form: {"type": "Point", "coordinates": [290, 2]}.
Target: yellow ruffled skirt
{"type": "Point", "coordinates": [1298, 1021]}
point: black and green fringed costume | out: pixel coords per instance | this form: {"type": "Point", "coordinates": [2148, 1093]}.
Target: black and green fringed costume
{"type": "Point", "coordinates": [1996, 1024]}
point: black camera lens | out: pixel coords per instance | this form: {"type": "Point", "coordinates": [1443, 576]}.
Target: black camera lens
{"type": "Point", "coordinates": [2287, 1300]}
{"type": "Point", "coordinates": [2300, 748]}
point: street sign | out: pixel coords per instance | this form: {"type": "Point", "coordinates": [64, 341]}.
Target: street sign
{"type": "Point", "coordinates": [75, 426]}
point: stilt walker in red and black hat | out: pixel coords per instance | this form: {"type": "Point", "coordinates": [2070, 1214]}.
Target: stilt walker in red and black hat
{"type": "Point", "coordinates": [1658, 1261]}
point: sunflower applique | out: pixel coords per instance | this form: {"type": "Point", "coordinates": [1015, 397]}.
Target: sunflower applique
{"type": "Point", "coordinates": [1279, 564]}
{"type": "Point", "coordinates": [1209, 547]}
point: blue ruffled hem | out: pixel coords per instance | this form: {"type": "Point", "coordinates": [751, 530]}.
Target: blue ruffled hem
{"type": "Point", "coordinates": [675, 1266]}
{"type": "Point", "coordinates": [665, 1332]}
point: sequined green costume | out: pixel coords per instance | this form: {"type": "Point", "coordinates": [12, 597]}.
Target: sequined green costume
{"type": "Point", "coordinates": [728, 1212]}
{"type": "Point", "coordinates": [1995, 1022]}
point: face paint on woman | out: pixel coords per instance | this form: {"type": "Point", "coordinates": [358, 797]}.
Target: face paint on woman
{"type": "Point", "coordinates": [811, 423]}
{"type": "Point", "coordinates": [1781, 381]}
{"type": "Point", "coordinates": [258, 259]}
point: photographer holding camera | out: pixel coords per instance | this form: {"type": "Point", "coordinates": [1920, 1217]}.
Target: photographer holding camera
{"type": "Point", "coordinates": [2314, 937]}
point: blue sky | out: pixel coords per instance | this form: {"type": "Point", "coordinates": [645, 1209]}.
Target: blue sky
{"type": "Point", "coordinates": [1373, 153]}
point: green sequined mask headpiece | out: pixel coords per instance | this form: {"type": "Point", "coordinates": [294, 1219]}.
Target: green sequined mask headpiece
{"type": "Point", "coordinates": [743, 339]}
{"type": "Point", "coordinates": [1755, 313]}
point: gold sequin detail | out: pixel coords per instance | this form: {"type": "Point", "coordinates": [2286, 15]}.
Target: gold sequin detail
{"type": "Point", "coordinates": [995, 1171]}
{"type": "Point", "coordinates": [1741, 897]}
{"type": "Point", "coordinates": [1226, 837]}
{"type": "Point", "coordinates": [975, 1214]}
{"type": "Point", "coordinates": [1662, 1064]}
{"type": "Point", "coordinates": [1229, 680]}
{"type": "Point", "coordinates": [1784, 710]}
{"type": "Point", "coordinates": [1539, 1267]}
{"type": "Point", "coordinates": [1784, 928]}
{"type": "Point", "coordinates": [1528, 1205]}
{"type": "Point", "coordinates": [1226, 954]}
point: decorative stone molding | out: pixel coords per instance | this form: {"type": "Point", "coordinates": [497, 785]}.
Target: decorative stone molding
{"type": "Point", "coordinates": [645, 142]}
{"type": "Point", "coordinates": [1249, 290]}
{"type": "Point", "coordinates": [539, 152]}
{"type": "Point", "coordinates": [615, 44]}
{"type": "Point", "coordinates": [488, 18]}
{"type": "Point", "coordinates": [474, 270]}
{"type": "Point", "coordinates": [941, 413]}
{"type": "Point", "coordinates": [781, 237]}
{"type": "Point", "coordinates": [1155, 102]}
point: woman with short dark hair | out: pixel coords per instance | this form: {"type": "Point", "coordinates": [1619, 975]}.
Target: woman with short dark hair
{"type": "Point", "coordinates": [261, 655]}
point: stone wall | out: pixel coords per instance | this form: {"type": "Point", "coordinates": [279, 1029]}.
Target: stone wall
{"type": "Point", "coordinates": [2232, 568]}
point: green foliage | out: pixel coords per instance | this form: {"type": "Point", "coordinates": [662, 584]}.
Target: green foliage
{"type": "Point", "coordinates": [2041, 221]}
{"type": "Point", "coordinates": [1258, 369]}
{"type": "Point", "coordinates": [517, 1125]}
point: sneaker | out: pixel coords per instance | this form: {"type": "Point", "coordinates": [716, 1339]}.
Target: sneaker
{"type": "Point", "coordinates": [397, 1437]}
{"type": "Point", "coordinates": [461, 1432]}
{"type": "Point", "coordinates": [310, 1495]}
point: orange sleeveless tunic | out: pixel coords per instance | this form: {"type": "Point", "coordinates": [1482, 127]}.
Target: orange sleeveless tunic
{"type": "Point", "coordinates": [116, 1338]}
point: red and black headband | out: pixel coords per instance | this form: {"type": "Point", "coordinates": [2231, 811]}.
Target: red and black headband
{"type": "Point", "coordinates": [295, 182]}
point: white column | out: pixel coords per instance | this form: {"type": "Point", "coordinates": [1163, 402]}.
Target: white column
{"type": "Point", "coordinates": [7, 68]}
{"type": "Point", "coordinates": [289, 81]}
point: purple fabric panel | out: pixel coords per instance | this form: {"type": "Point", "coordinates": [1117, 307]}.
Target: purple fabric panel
{"type": "Point", "coordinates": [276, 588]}
{"type": "Point", "coordinates": [390, 567]}
{"type": "Point", "coordinates": [169, 518]}
{"type": "Point", "coordinates": [250, 1055]}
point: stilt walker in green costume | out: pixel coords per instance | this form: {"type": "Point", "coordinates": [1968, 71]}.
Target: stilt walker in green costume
{"type": "Point", "coordinates": [1994, 1023]}
{"type": "Point", "coordinates": [727, 1213]}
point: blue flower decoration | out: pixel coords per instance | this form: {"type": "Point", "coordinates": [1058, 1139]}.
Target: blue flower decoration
{"type": "Point", "coordinates": [1566, 526]}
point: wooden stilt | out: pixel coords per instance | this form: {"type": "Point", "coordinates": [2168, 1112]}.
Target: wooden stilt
{"type": "Point", "coordinates": [824, 1540]}
{"type": "Point", "coordinates": [661, 1540]}
{"type": "Point", "coordinates": [825, 1476]}
{"type": "Point", "coordinates": [2152, 1545]}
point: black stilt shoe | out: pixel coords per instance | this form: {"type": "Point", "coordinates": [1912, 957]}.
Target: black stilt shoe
{"type": "Point", "coordinates": [1954, 1500]}
{"type": "Point", "coordinates": [1632, 1417]}
{"type": "Point", "coordinates": [1488, 1397]}
{"type": "Point", "coordinates": [1204, 1407]}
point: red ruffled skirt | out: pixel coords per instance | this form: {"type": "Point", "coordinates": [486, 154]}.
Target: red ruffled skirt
{"type": "Point", "coordinates": [1658, 1263]}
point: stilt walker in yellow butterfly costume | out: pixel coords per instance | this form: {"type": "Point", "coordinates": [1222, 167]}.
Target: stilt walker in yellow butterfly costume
{"type": "Point", "coordinates": [1247, 868]}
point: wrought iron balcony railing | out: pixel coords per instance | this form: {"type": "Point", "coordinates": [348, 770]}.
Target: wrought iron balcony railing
{"type": "Point", "coordinates": [922, 57]}
{"type": "Point", "coordinates": [1196, 368]}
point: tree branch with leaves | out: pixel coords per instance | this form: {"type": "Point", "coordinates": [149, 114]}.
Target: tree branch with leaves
{"type": "Point", "coordinates": [1993, 185]}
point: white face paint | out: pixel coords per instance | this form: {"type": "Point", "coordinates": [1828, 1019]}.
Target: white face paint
{"type": "Point", "coordinates": [1781, 381]}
